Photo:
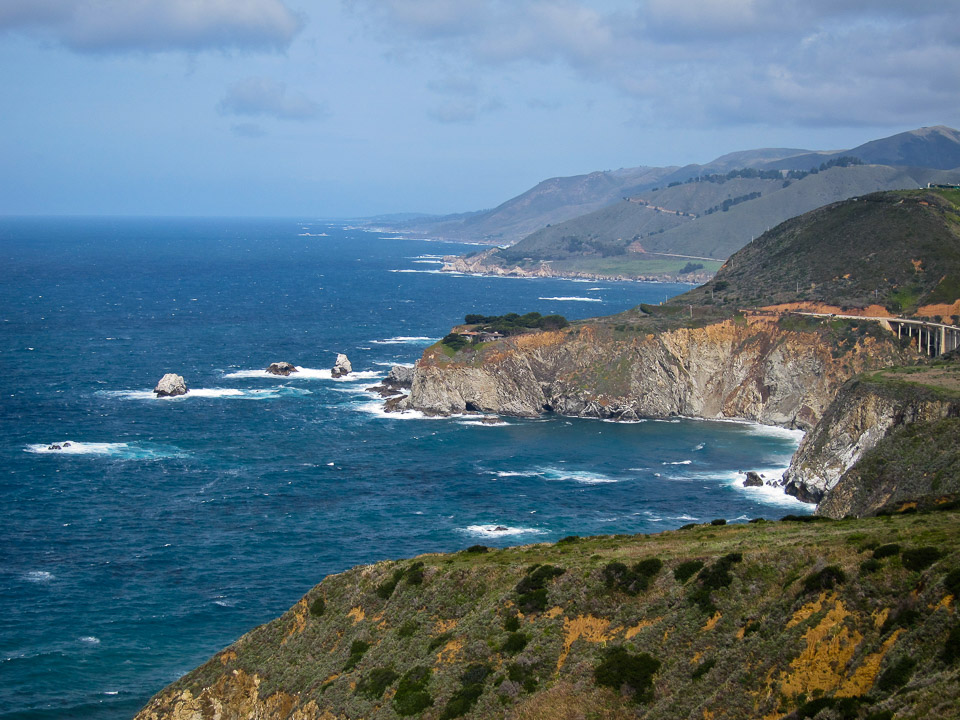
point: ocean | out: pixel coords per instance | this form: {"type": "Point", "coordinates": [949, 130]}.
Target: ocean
{"type": "Point", "coordinates": [170, 527]}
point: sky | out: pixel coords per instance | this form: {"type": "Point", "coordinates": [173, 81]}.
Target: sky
{"type": "Point", "coordinates": [350, 108]}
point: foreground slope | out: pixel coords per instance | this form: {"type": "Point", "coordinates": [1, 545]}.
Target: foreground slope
{"type": "Point", "coordinates": [852, 619]}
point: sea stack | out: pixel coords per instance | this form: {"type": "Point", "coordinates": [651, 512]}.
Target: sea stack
{"type": "Point", "coordinates": [281, 368]}
{"type": "Point", "coordinates": [342, 366]}
{"type": "Point", "coordinates": [171, 385]}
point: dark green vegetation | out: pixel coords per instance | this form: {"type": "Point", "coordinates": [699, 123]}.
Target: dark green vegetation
{"type": "Point", "coordinates": [505, 325]}
{"type": "Point", "coordinates": [899, 249]}
{"type": "Point", "coordinates": [733, 623]}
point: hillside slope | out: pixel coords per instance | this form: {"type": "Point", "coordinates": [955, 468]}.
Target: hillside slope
{"type": "Point", "coordinates": [853, 619]}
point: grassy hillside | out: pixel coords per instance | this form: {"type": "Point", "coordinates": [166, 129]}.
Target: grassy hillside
{"type": "Point", "coordinates": [899, 249]}
{"type": "Point", "coordinates": [702, 219]}
{"type": "Point", "coordinates": [850, 619]}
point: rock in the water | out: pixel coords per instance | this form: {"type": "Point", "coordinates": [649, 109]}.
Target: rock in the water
{"type": "Point", "coordinates": [54, 447]}
{"type": "Point", "coordinates": [500, 528]}
{"type": "Point", "coordinates": [753, 480]}
{"type": "Point", "coordinates": [171, 385]}
{"type": "Point", "coordinates": [399, 376]}
{"type": "Point", "coordinates": [342, 366]}
{"type": "Point", "coordinates": [281, 368]}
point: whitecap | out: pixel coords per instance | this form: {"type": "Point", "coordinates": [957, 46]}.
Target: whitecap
{"type": "Point", "coordinates": [429, 262]}
{"type": "Point", "coordinates": [89, 640]}
{"type": "Point", "coordinates": [375, 407]}
{"type": "Point", "coordinates": [394, 364]}
{"type": "Point", "coordinates": [678, 462]}
{"type": "Point", "coordinates": [514, 473]}
{"type": "Point", "coordinates": [406, 340]}
{"type": "Point", "coordinates": [39, 576]}
{"type": "Point", "coordinates": [685, 518]}
{"type": "Point", "coordinates": [580, 476]}
{"type": "Point", "coordinates": [573, 299]}
{"type": "Point", "coordinates": [481, 423]}
{"type": "Point", "coordinates": [118, 450]}
{"type": "Point", "coordinates": [701, 446]}
{"type": "Point", "coordinates": [493, 531]}
{"type": "Point", "coordinates": [305, 373]}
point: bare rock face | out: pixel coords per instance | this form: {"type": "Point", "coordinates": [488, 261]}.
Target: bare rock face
{"type": "Point", "coordinates": [753, 479]}
{"type": "Point", "coordinates": [281, 368]}
{"type": "Point", "coordinates": [756, 371]}
{"type": "Point", "coordinates": [171, 385]}
{"type": "Point", "coordinates": [860, 416]}
{"type": "Point", "coordinates": [399, 376]}
{"type": "Point", "coordinates": [342, 366]}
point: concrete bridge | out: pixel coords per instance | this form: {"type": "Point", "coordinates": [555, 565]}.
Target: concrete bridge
{"type": "Point", "coordinates": [932, 338]}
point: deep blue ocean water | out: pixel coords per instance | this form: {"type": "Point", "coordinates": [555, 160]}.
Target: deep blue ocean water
{"type": "Point", "coordinates": [171, 527]}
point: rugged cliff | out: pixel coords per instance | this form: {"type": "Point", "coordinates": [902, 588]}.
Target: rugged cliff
{"type": "Point", "coordinates": [833, 463]}
{"type": "Point", "coordinates": [766, 620]}
{"type": "Point", "coordinates": [770, 370]}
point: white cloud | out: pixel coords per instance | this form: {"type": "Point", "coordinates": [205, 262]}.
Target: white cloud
{"type": "Point", "coordinates": [822, 62]}
{"type": "Point", "coordinates": [263, 97]}
{"type": "Point", "coordinates": [155, 25]}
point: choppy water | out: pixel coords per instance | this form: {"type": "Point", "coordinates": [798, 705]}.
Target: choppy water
{"type": "Point", "coordinates": [170, 527]}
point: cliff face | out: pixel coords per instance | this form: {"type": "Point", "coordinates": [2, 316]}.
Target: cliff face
{"type": "Point", "coordinates": [753, 369]}
{"type": "Point", "coordinates": [864, 413]}
{"type": "Point", "coordinates": [767, 620]}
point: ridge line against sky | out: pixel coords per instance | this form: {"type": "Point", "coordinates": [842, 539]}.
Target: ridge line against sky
{"type": "Point", "coordinates": [358, 107]}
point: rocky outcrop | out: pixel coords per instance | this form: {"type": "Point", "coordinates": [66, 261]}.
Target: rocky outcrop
{"type": "Point", "coordinates": [342, 366]}
{"type": "Point", "coordinates": [752, 369]}
{"type": "Point", "coordinates": [863, 413]}
{"type": "Point", "coordinates": [171, 385]}
{"type": "Point", "coordinates": [398, 379]}
{"type": "Point", "coordinates": [281, 368]}
{"type": "Point", "coordinates": [753, 479]}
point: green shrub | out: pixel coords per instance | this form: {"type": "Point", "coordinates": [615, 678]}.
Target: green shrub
{"type": "Point", "coordinates": [619, 670]}
{"type": "Point", "coordinates": [825, 579]}
{"type": "Point", "coordinates": [714, 577]}
{"type": "Point", "coordinates": [357, 649]}
{"type": "Point", "coordinates": [847, 708]}
{"type": "Point", "coordinates": [461, 702]}
{"type": "Point", "coordinates": [888, 550]}
{"type": "Point", "coordinates": [439, 641]}
{"type": "Point", "coordinates": [374, 684]}
{"type": "Point", "coordinates": [880, 715]}
{"type": "Point", "coordinates": [477, 549]}
{"type": "Point", "coordinates": [952, 582]}
{"type": "Point", "coordinates": [318, 607]}
{"type": "Point", "coordinates": [686, 570]}
{"type": "Point", "coordinates": [805, 518]}
{"type": "Point", "coordinates": [703, 668]}
{"type": "Point", "coordinates": [532, 590]}
{"type": "Point", "coordinates": [869, 566]}
{"type": "Point", "coordinates": [386, 588]}
{"type": "Point", "coordinates": [515, 642]}
{"type": "Point", "coordinates": [511, 623]}
{"type": "Point", "coordinates": [897, 674]}
{"type": "Point", "coordinates": [568, 539]}
{"type": "Point", "coordinates": [412, 697]}
{"type": "Point", "coordinates": [903, 618]}
{"type": "Point", "coordinates": [649, 567]}
{"type": "Point", "coordinates": [523, 674]}
{"type": "Point", "coordinates": [951, 649]}
{"type": "Point", "coordinates": [688, 526]}
{"type": "Point", "coordinates": [718, 521]}
{"type": "Point", "coordinates": [618, 576]}
{"type": "Point", "coordinates": [917, 559]}
{"type": "Point", "coordinates": [408, 629]}
{"type": "Point", "coordinates": [414, 574]}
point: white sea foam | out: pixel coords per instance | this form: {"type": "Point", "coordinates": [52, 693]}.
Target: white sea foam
{"type": "Point", "coordinates": [39, 576]}
{"type": "Point", "coordinates": [580, 476]}
{"type": "Point", "coordinates": [393, 364]}
{"type": "Point", "coordinates": [429, 262]}
{"type": "Point", "coordinates": [480, 423]}
{"type": "Point", "coordinates": [573, 299]}
{"type": "Point", "coordinates": [89, 640]}
{"type": "Point", "coordinates": [685, 518]}
{"type": "Point", "coordinates": [700, 446]}
{"type": "Point", "coordinates": [493, 531]}
{"type": "Point", "coordinates": [193, 393]}
{"type": "Point", "coordinates": [122, 451]}
{"type": "Point", "coordinates": [678, 462]}
{"type": "Point", "coordinates": [406, 340]}
{"type": "Point", "coordinates": [375, 407]}
{"type": "Point", "coordinates": [513, 473]}
{"type": "Point", "coordinates": [304, 373]}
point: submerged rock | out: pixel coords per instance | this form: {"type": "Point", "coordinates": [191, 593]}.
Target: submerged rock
{"type": "Point", "coordinates": [342, 366]}
{"type": "Point", "coordinates": [171, 385]}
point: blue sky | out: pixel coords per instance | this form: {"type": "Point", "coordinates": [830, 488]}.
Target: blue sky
{"type": "Point", "coordinates": [347, 108]}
